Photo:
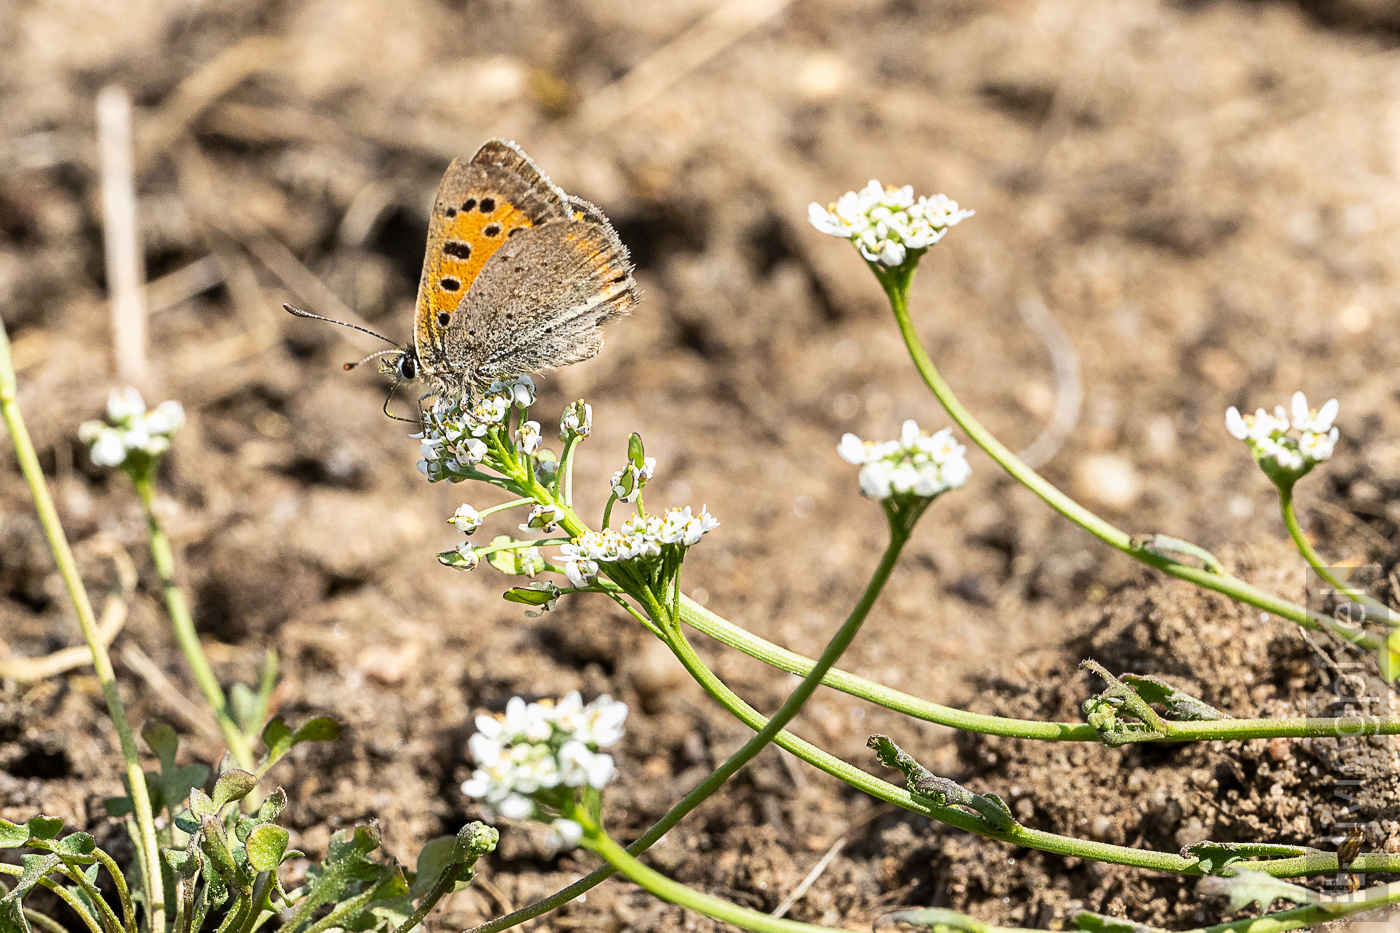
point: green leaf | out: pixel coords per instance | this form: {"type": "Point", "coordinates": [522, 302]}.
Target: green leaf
{"type": "Point", "coordinates": [200, 804]}
{"type": "Point", "coordinates": [277, 737]}
{"type": "Point", "coordinates": [1182, 707]}
{"type": "Point", "coordinates": [934, 918]}
{"type": "Point", "coordinates": [515, 561]}
{"type": "Point", "coordinates": [233, 785]}
{"type": "Point", "coordinates": [320, 729]}
{"type": "Point", "coordinates": [1213, 857]}
{"type": "Point", "coordinates": [436, 855]}
{"type": "Point", "coordinates": [266, 845]}
{"type": "Point", "coordinates": [13, 835]}
{"type": "Point", "coordinates": [176, 783]}
{"type": "Point", "coordinates": [273, 806]}
{"type": "Point", "coordinates": [1098, 923]}
{"type": "Point", "coordinates": [75, 844]}
{"type": "Point", "coordinates": [44, 827]}
{"type": "Point", "coordinates": [1254, 887]}
{"type": "Point", "coordinates": [163, 741]}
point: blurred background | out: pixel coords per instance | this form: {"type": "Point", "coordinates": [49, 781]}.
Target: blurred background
{"type": "Point", "coordinates": [1180, 207]}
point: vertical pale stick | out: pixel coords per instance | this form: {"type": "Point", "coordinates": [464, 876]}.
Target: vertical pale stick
{"type": "Point", "coordinates": [121, 234]}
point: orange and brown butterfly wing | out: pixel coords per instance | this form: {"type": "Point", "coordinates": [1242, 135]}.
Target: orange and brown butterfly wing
{"type": "Point", "coordinates": [479, 206]}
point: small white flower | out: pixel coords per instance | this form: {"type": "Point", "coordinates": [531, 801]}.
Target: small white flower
{"type": "Point", "coordinates": [1313, 422]}
{"type": "Point", "coordinates": [125, 404]}
{"type": "Point", "coordinates": [628, 482]}
{"type": "Point", "coordinates": [466, 518]}
{"type": "Point", "coordinates": [168, 417]}
{"type": "Point", "coordinates": [527, 437]}
{"type": "Point", "coordinates": [564, 834]}
{"type": "Point", "coordinates": [520, 390]}
{"type": "Point", "coordinates": [1318, 447]}
{"type": "Point", "coordinates": [469, 559]}
{"type": "Point", "coordinates": [516, 807]}
{"type": "Point", "coordinates": [491, 410]}
{"type": "Point", "coordinates": [577, 421]}
{"type": "Point", "coordinates": [544, 518]}
{"type": "Point", "coordinates": [108, 448]}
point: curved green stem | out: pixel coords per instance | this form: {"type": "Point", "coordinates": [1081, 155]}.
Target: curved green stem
{"type": "Point", "coordinates": [87, 622]}
{"type": "Point", "coordinates": [1375, 610]}
{"type": "Point", "coordinates": [177, 607]}
{"type": "Point", "coordinates": [726, 632]}
{"type": "Point", "coordinates": [1331, 908]}
{"type": "Point", "coordinates": [676, 893]}
{"type": "Point", "coordinates": [1311, 864]}
{"type": "Point", "coordinates": [812, 678]}
{"type": "Point", "coordinates": [896, 286]}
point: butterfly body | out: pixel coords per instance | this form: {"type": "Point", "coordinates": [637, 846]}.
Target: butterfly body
{"type": "Point", "coordinates": [518, 277]}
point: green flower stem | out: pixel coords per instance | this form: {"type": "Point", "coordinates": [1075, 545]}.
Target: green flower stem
{"type": "Point", "coordinates": [44, 923]}
{"type": "Point", "coordinates": [813, 677]}
{"type": "Point", "coordinates": [1375, 610]}
{"type": "Point", "coordinates": [504, 506]}
{"type": "Point", "coordinates": [726, 632]}
{"type": "Point", "coordinates": [1312, 864]}
{"type": "Point", "coordinates": [1381, 895]}
{"type": "Point", "coordinates": [82, 606]}
{"type": "Point", "coordinates": [180, 619]}
{"type": "Point", "coordinates": [896, 286]}
{"type": "Point", "coordinates": [64, 894]}
{"type": "Point", "coordinates": [119, 882]}
{"type": "Point", "coordinates": [658, 884]}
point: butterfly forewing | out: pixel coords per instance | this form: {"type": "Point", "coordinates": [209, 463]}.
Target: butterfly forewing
{"type": "Point", "coordinates": [480, 205]}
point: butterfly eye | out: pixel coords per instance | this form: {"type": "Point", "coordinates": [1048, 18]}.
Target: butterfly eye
{"type": "Point", "coordinates": [408, 367]}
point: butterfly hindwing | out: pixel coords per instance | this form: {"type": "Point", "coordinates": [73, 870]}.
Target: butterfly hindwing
{"type": "Point", "coordinates": [541, 300]}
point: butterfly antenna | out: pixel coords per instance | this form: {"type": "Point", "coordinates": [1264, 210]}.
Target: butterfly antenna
{"type": "Point", "coordinates": [329, 320]}
{"type": "Point", "coordinates": [372, 356]}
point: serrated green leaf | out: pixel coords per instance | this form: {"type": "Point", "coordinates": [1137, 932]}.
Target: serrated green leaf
{"type": "Point", "coordinates": [266, 845]}
{"type": "Point", "coordinates": [233, 785]}
{"type": "Point", "coordinates": [163, 741]}
{"type": "Point", "coordinates": [320, 729]}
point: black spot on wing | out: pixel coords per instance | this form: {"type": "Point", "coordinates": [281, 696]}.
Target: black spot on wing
{"type": "Point", "coordinates": [449, 283]}
{"type": "Point", "coordinates": [459, 248]}
{"type": "Point", "coordinates": [488, 205]}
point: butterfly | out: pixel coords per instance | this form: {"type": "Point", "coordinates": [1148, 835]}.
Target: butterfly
{"type": "Point", "coordinates": [518, 278]}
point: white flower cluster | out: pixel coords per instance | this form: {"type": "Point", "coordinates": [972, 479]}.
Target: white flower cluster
{"type": "Point", "coordinates": [577, 421]}
{"type": "Point", "coordinates": [638, 538]}
{"type": "Point", "coordinates": [1275, 448]}
{"type": "Point", "coordinates": [453, 430]}
{"type": "Point", "coordinates": [130, 427]}
{"type": "Point", "coordinates": [887, 223]}
{"type": "Point", "coordinates": [535, 748]}
{"type": "Point", "coordinates": [917, 465]}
